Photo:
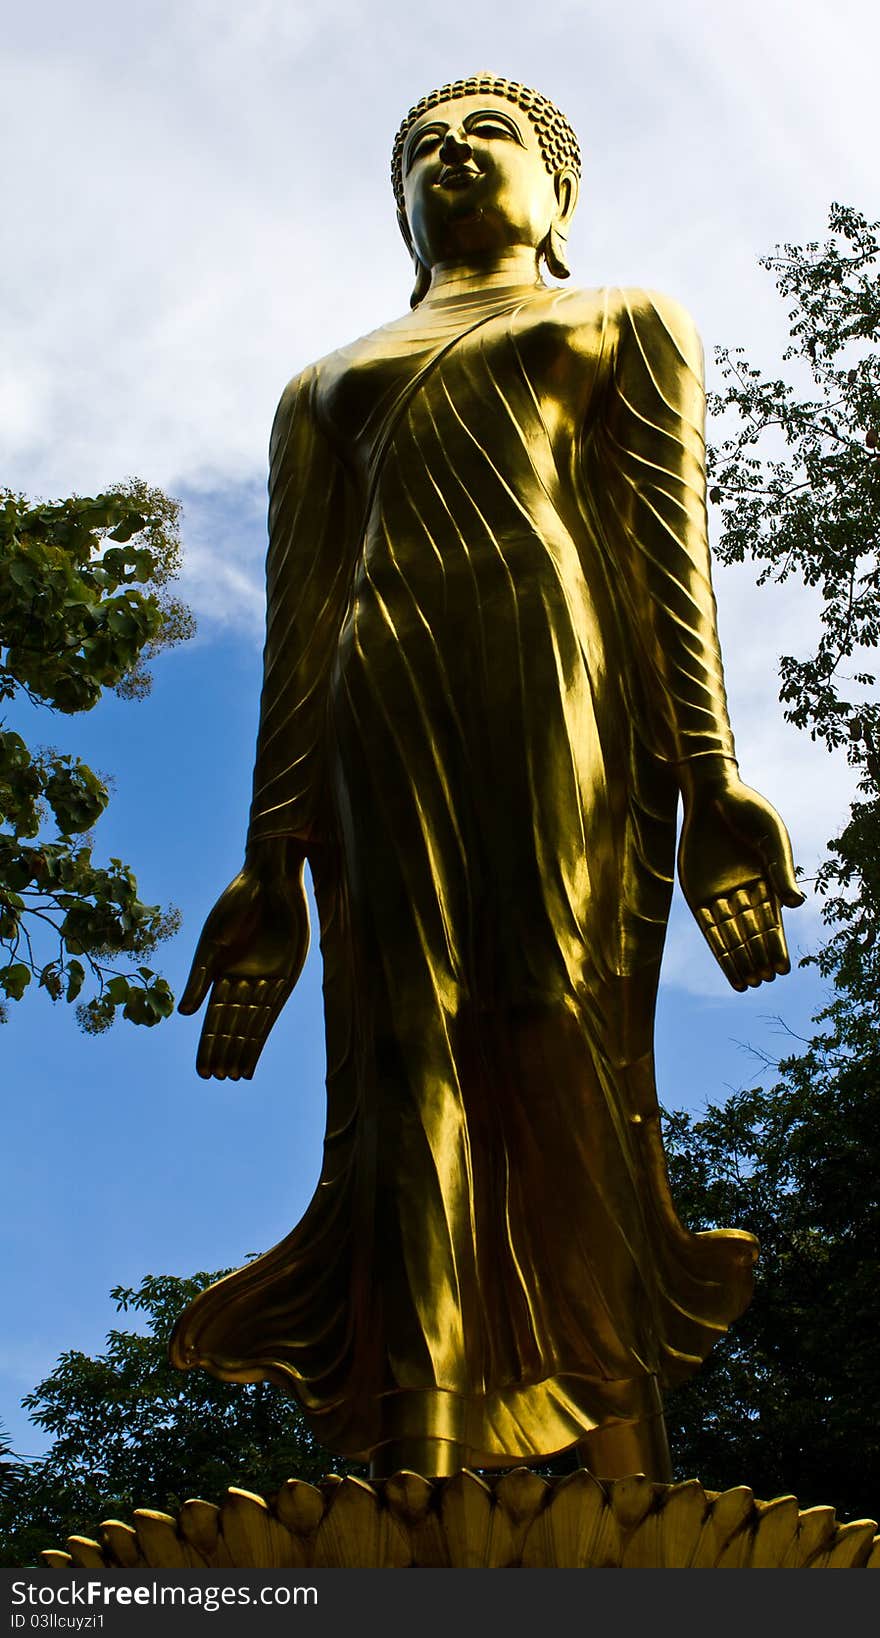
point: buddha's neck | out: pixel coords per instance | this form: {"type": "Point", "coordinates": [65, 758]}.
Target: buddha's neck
{"type": "Point", "coordinates": [514, 267]}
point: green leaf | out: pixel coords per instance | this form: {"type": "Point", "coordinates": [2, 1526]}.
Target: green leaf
{"type": "Point", "coordinates": [130, 525]}
{"type": "Point", "coordinates": [75, 979]}
{"type": "Point", "coordinates": [76, 795]}
{"type": "Point", "coordinates": [22, 574]}
{"type": "Point", "coordinates": [51, 981]}
{"type": "Point", "coordinates": [15, 979]}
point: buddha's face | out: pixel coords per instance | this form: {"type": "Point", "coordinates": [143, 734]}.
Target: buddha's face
{"type": "Point", "coordinates": [475, 181]}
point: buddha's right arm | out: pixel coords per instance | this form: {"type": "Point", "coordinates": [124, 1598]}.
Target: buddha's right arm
{"type": "Point", "coordinates": [250, 954]}
{"type": "Point", "coordinates": [313, 532]}
{"type": "Point", "coordinates": [255, 940]}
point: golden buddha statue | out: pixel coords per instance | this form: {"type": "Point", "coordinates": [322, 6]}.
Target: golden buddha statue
{"type": "Point", "coordinates": [491, 668]}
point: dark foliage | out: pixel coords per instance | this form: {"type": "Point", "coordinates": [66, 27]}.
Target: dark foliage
{"type": "Point", "coordinates": [129, 1430]}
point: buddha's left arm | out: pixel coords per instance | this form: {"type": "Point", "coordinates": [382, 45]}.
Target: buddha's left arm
{"type": "Point", "coordinates": [735, 861]}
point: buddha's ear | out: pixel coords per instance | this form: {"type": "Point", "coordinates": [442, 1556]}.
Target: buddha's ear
{"type": "Point", "coordinates": [565, 186]}
{"type": "Point", "coordinates": [553, 248]}
{"type": "Point", "coordinates": [423, 275]}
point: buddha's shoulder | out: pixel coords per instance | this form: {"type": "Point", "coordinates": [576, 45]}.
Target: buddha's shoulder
{"type": "Point", "coordinates": [612, 314]}
{"type": "Point", "coordinates": [316, 382]}
{"type": "Point", "coordinates": [587, 321]}
{"type": "Point", "coordinates": [304, 386]}
{"type": "Point", "coordinates": [303, 401]}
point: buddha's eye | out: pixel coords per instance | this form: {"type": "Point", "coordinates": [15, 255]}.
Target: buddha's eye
{"type": "Point", "coordinates": [422, 145]}
{"type": "Point", "coordinates": [491, 126]}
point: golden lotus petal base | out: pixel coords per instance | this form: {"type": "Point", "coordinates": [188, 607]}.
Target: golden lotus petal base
{"type": "Point", "coordinates": [518, 1521]}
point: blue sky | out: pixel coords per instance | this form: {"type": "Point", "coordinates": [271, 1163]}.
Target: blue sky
{"type": "Point", "coordinates": [201, 207]}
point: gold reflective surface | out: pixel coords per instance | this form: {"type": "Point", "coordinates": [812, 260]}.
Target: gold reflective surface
{"type": "Point", "coordinates": [491, 669]}
{"type": "Point", "coordinates": [516, 1521]}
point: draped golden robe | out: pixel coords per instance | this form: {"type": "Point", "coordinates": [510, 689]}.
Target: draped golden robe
{"type": "Point", "coordinates": [491, 646]}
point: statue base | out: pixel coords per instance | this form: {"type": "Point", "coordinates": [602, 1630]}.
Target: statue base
{"type": "Point", "coordinates": [517, 1521]}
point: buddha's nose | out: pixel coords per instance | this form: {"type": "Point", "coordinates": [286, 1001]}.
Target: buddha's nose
{"type": "Point", "coordinates": [455, 149]}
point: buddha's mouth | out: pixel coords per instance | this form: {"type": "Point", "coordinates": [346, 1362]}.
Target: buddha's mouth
{"type": "Point", "coordinates": [457, 176]}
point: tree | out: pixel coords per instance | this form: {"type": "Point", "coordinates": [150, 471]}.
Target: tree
{"type": "Point", "coordinates": [789, 1400]}
{"type": "Point", "coordinates": [129, 1430]}
{"type": "Point", "coordinates": [11, 1466]}
{"type": "Point", "coordinates": [84, 606]}
{"type": "Point", "coordinates": [810, 509]}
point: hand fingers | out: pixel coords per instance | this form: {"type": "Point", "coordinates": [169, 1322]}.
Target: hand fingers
{"type": "Point", "coordinates": [775, 848]}
{"type": "Point", "coordinates": [745, 923]}
{"type": "Point", "coordinates": [785, 883]}
{"type": "Point", "coordinates": [264, 1017]}
{"type": "Point", "coordinates": [744, 931]}
{"type": "Point", "coordinates": [240, 1015]}
{"type": "Point", "coordinates": [195, 989]}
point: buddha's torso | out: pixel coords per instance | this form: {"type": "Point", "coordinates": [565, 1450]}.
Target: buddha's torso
{"type": "Point", "coordinates": [463, 424]}
{"type": "Point", "coordinates": [561, 340]}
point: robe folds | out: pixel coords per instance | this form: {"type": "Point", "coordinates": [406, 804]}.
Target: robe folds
{"type": "Point", "coordinates": [491, 647]}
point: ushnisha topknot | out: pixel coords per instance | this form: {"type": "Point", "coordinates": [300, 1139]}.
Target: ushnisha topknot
{"type": "Point", "coordinates": [558, 143]}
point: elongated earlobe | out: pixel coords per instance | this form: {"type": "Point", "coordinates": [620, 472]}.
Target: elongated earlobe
{"type": "Point", "coordinates": [422, 284]}
{"type": "Point", "coordinates": [553, 251]}
{"type": "Point", "coordinates": [423, 275]}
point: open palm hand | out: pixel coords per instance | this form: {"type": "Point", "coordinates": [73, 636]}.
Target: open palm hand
{"type": "Point", "coordinates": [736, 870]}
{"type": "Point", "coordinates": [250, 955]}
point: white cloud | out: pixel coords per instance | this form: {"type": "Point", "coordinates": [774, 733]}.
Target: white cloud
{"type": "Point", "coordinates": [223, 570]}
{"type": "Point", "coordinates": [200, 204]}
{"type": "Point", "coordinates": [200, 201]}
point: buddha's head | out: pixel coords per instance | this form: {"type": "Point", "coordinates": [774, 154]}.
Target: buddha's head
{"type": "Point", "coordinates": [480, 167]}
